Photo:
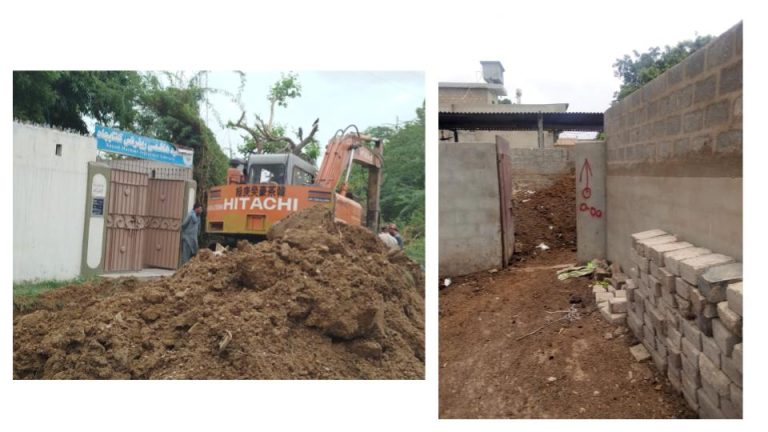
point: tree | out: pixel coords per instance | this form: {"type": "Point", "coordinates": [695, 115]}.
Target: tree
{"type": "Point", "coordinates": [65, 98]}
{"type": "Point", "coordinates": [640, 69]}
{"type": "Point", "coordinates": [270, 137]}
{"type": "Point", "coordinates": [172, 113]}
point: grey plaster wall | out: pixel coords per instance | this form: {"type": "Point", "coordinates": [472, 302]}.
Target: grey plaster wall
{"type": "Point", "coordinates": [470, 227]}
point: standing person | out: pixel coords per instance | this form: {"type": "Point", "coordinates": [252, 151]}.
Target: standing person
{"type": "Point", "coordinates": [234, 175]}
{"type": "Point", "coordinates": [394, 233]}
{"type": "Point", "coordinates": [190, 229]}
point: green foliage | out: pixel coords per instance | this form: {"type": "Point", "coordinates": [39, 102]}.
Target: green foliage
{"type": "Point", "coordinates": [64, 98]}
{"type": "Point", "coordinates": [402, 190]}
{"type": "Point", "coordinates": [287, 88]}
{"type": "Point", "coordinates": [173, 114]}
{"type": "Point", "coordinates": [640, 69]}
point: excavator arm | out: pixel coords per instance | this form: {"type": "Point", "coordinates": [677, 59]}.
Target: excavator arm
{"type": "Point", "coordinates": [341, 152]}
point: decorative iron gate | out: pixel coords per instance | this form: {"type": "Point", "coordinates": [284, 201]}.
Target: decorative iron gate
{"type": "Point", "coordinates": [163, 223]}
{"type": "Point", "coordinates": [126, 213]}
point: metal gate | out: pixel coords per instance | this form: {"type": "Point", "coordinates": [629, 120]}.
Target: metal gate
{"type": "Point", "coordinates": [505, 200]}
{"type": "Point", "coordinates": [125, 221]}
{"type": "Point", "coordinates": [163, 223]}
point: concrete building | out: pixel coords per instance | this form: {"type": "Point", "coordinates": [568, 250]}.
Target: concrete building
{"type": "Point", "coordinates": [486, 97]}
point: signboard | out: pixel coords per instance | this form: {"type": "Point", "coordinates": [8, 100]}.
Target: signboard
{"type": "Point", "coordinates": [130, 144]}
{"type": "Point", "coordinates": [97, 208]}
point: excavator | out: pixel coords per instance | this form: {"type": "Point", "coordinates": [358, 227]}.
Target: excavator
{"type": "Point", "coordinates": [276, 185]}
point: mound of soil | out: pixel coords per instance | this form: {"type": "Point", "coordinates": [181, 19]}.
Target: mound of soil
{"type": "Point", "coordinates": [317, 300]}
{"type": "Point", "coordinates": [545, 216]}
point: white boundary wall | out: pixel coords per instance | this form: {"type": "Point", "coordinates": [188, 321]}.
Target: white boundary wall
{"type": "Point", "coordinates": [48, 201]}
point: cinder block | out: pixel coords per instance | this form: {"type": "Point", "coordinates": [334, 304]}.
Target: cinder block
{"type": "Point", "coordinates": [692, 268]}
{"type": "Point", "coordinates": [730, 319]}
{"type": "Point", "coordinates": [613, 318]}
{"type": "Point", "coordinates": [655, 286]}
{"type": "Point", "coordinates": [732, 370]}
{"type": "Point", "coordinates": [691, 369]}
{"type": "Point", "coordinates": [656, 252]}
{"type": "Point", "coordinates": [712, 375]}
{"type": "Point", "coordinates": [691, 333]}
{"type": "Point", "coordinates": [669, 299]}
{"type": "Point", "coordinates": [635, 324]}
{"type": "Point", "coordinates": [734, 296]}
{"type": "Point", "coordinates": [723, 337]}
{"type": "Point", "coordinates": [640, 352]}
{"type": "Point", "coordinates": [660, 360]}
{"type": "Point", "coordinates": [709, 310]}
{"type": "Point", "coordinates": [598, 289]}
{"type": "Point", "coordinates": [710, 392]}
{"type": "Point", "coordinates": [674, 357]}
{"type": "Point", "coordinates": [689, 392]}
{"type": "Point", "coordinates": [657, 320]}
{"type": "Point", "coordinates": [620, 294]}
{"type": "Point", "coordinates": [710, 350]}
{"type": "Point", "coordinates": [675, 378]}
{"type": "Point", "coordinates": [672, 259]}
{"type": "Point", "coordinates": [729, 409]}
{"type": "Point", "coordinates": [618, 305]}
{"type": "Point", "coordinates": [654, 269]}
{"type": "Point", "coordinates": [667, 280]}
{"type": "Point", "coordinates": [708, 409]}
{"type": "Point", "coordinates": [738, 355]}
{"type": "Point", "coordinates": [602, 297]}
{"type": "Point", "coordinates": [705, 325]}
{"type": "Point", "coordinates": [736, 397]}
{"type": "Point", "coordinates": [642, 246]}
{"type": "Point", "coordinates": [714, 281]}
{"type": "Point", "coordinates": [674, 338]}
{"type": "Point", "coordinates": [683, 288]}
{"type": "Point", "coordinates": [640, 261]}
{"type": "Point", "coordinates": [671, 316]}
{"type": "Point", "coordinates": [661, 346]}
{"type": "Point", "coordinates": [645, 235]}
{"type": "Point", "coordinates": [683, 305]}
{"type": "Point", "coordinates": [698, 302]}
{"type": "Point", "coordinates": [630, 285]}
{"type": "Point", "coordinates": [689, 349]}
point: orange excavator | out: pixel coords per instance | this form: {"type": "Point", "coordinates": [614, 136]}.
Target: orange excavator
{"type": "Point", "coordinates": [276, 185]}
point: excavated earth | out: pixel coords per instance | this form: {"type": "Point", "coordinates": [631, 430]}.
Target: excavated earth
{"type": "Point", "coordinates": [316, 300]}
{"type": "Point", "coordinates": [545, 216]}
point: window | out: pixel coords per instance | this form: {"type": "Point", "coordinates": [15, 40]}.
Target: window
{"type": "Point", "coordinates": [301, 177]}
{"type": "Point", "coordinates": [271, 173]}
{"type": "Point", "coordinates": [58, 149]}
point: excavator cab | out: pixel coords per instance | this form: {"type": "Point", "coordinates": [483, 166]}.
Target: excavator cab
{"type": "Point", "coordinates": [282, 169]}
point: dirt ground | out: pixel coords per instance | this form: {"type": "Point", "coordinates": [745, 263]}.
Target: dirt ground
{"type": "Point", "coordinates": [493, 362]}
{"type": "Point", "coordinates": [317, 300]}
{"type": "Point", "coordinates": [545, 216]}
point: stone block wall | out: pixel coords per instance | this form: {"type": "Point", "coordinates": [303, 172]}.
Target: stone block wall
{"type": "Point", "coordinates": [674, 153]}
{"type": "Point", "coordinates": [685, 304]}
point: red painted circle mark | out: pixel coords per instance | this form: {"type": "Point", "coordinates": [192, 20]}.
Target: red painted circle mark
{"type": "Point", "coordinates": [586, 192]}
{"type": "Point", "coordinates": [593, 211]}
{"type": "Point", "coordinates": [583, 207]}
{"type": "Point", "coordinates": [599, 213]}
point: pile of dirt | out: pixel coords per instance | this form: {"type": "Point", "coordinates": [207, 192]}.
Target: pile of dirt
{"type": "Point", "coordinates": [317, 300]}
{"type": "Point", "coordinates": [545, 216]}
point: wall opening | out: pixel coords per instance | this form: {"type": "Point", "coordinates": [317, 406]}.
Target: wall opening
{"type": "Point", "coordinates": [58, 149]}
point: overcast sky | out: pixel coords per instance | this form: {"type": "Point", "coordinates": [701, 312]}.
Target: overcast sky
{"type": "Point", "coordinates": [568, 56]}
{"type": "Point", "coordinates": [363, 98]}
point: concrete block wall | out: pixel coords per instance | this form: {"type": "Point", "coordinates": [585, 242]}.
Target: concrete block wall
{"type": "Point", "coordinates": [470, 219]}
{"type": "Point", "coordinates": [536, 169]}
{"type": "Point", "coordinates": [674, 153]}
{"type": "Point", "coordinates": [685, 305]}
{"type": "Point", "coordinates": [465, 96]}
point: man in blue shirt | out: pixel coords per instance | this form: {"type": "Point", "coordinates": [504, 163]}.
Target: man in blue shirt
{"type": "Point", "coordinates": [190, 229]}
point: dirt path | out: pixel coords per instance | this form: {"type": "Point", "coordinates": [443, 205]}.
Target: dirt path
{"type": "Point", "coordinates": [567, 370]}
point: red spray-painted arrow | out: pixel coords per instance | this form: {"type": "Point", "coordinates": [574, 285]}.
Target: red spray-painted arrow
{"type": "Point", "coordinates": [585, 167]}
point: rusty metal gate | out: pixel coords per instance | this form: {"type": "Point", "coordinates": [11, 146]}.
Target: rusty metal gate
{"type": "Point", "coordinates": [505, 200]}
{"type": "Point", "coordinates": [125, 221]}
{"type": "Point", "coordinates": [163, 223]}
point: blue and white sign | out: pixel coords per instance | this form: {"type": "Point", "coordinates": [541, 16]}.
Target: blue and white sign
{"type": "Point", "coordinates": [130, 144]}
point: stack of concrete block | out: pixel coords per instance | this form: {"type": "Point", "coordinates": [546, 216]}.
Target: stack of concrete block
{"type": "Point", "coordinates": [685, 306]}
{"type": "Point", "coordinates": [612, 302]}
